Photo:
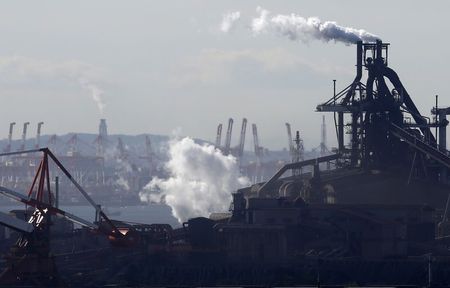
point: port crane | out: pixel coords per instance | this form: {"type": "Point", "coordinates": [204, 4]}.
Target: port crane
{"type": "Point", "coordinates": [219, 136]}
{"type": "Point", "coordinates": [38, 135]}
{"type": "Point", "coordinates": [227, 148]}
{"type": "Point", "coordinates": [24, 135]}
{"type": "Point", "coordinates": [11, 128]}
{"type": "Point", "coordinates": [42, 197]}
{"type": "Point", "coordinates": [31, 251]}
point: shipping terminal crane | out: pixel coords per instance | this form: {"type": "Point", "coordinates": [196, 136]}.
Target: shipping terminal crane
{"type": "Point", "coordinates": [30, 257]}
{"type": "Point", "coordinates": [11, 128]}
{"type": "Point", "coordinates": [218, 136]}
{"type": "Point", "coordinates": [24, 136]}
{"type": "Point", "coordinates": [240, 153]}
{"type": "Point", "coordinates": [258, 153]}
{"type": "Point", "coordinates": [38, 134]}
{"type": "Point", "coordinates": [227, 148]}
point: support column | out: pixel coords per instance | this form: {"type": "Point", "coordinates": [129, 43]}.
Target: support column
{"type": "Point", "coordinates": [355, 142]}
{"type": "Point", "coordinates": [341, 131]}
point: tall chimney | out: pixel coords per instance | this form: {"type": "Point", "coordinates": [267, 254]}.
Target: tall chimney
{"type": "Point", "coordinates": [102, 138]}
{"type": "Point", "coordinates": [102, 128]}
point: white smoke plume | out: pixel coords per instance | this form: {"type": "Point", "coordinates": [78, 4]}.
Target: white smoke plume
{"type": "Point", "coordinates": [201, 180]}
{"type": "Point", "coordinates": [96, 94]}
{"type": "Point", "coordinates": [123, 183]}
{"type": "Point", "coordinates": [82, 74]}
{"type": "Point", "coordinates": [298, 28]}
{"type": "Point", "coordinates": [123, 170]}
{"type": "Point", "coordinates": [228, 21]}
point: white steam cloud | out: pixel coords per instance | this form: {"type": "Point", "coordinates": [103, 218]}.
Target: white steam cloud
{"type": "Point", "coordinates": [74, 71]}
{"type": "Point", "coordinates": [201, 180]}
{"type": "Point", "coordinates": [298, 28]}
{"type": "Point", "coordinates": [96, 94]}
{"type": "Point", "coordinates": [228, 21]}
{"type": "Point", "coordinates": [123, 170]}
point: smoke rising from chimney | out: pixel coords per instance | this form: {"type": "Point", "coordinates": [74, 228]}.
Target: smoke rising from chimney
{"type": "Point", "coordinates": [228, 21]}
{"type": "Point", "coordinates": [298, 28]}
{"type": "Point", "coordinates": [73, 71]}
{"type": "Point", "coordinates": [201, 180]}
{"type": "Point", "coordinates": [96, 94]}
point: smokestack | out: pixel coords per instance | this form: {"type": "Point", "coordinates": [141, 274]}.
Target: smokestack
{"type": "Point", "coordinates": [24, 135]}
{"type": "Point", "coordinates": [38, 134]}
{"type": "Point", "coordinates": [102, 128]}
{"type": "Point", "coordinates": [102, 138]}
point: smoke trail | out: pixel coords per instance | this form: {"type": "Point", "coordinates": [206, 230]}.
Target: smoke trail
{"type": "Point", "coordinates": [84, 74]}
{"type": "Point", "coordinates": [229, 20]}
{"type": "Point", "coordinates": [96, 94]}
{"type": "Point", "coordinates": [201, 182]}
{"type": "Point", "coordinates": [122, 168]}
{"type": "Point", "coordinates": [297, 28]}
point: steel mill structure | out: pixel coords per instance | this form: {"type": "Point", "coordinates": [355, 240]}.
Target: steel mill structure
{"type": "Point", "coordinates": [371, 212]}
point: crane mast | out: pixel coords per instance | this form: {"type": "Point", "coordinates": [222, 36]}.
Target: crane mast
{"type": "Point", "coordinates": [11, 128]}
{"type": "Point", "coordinates": [219, 136]}
{"type": "Point", "coordinates": [228, 139]}
{"type": "Point", "coordinates": [38, 134]}
{"type": "Point", "coordinates": [258, 150]}
{"type": "Point", "coordinates": [24, 135]}
{"type": "Point", "coordinates": [242, 139]}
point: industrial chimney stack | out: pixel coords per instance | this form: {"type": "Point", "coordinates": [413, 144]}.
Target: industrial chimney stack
{"type": "Point", "coordinates": [102, 138]}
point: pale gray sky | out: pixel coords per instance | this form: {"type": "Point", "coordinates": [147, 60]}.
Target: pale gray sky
{"type": "Point", "coordinates": [165, 64]}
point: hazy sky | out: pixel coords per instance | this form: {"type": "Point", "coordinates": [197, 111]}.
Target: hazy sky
{"type": "Point", "coordinates": [163, 65]}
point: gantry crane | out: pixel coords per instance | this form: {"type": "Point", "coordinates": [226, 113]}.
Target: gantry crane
{"type": "Point", "coordinates": [242, 139]}
{"type": "Point", "coordinates": [227, 148]}
{"type": "Point", "coordinates": [218, 136]}
{"type": "Point", "coordinates": [24, 135]}
{"type": "Point", "coordinates": [38, 134]}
